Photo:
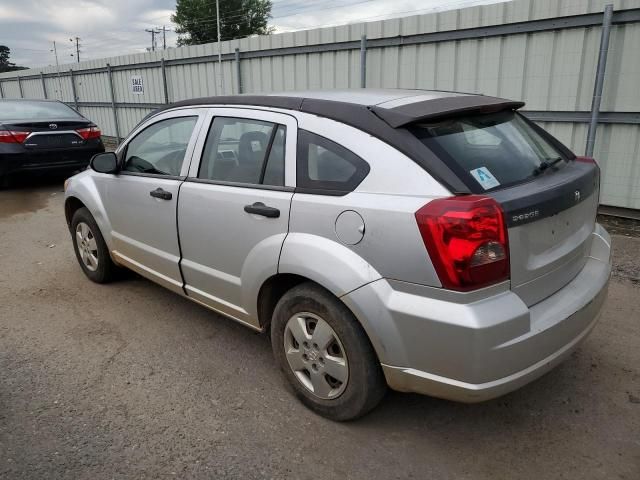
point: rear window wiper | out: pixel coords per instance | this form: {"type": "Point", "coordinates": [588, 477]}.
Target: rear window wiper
{"type": "Point", "coordinates": [546, 164]}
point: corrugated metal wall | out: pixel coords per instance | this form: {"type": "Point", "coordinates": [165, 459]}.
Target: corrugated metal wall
{"type": "Point", "coordinates": [552, 70]}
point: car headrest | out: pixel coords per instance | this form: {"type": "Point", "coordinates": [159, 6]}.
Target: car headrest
{"type": "Point", "coordinates": [251, 147]}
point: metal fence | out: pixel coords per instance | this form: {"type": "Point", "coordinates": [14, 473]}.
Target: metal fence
{"type": "Point", "coordinates": [544, 52]}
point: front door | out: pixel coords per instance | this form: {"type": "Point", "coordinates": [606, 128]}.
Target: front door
{"type": "Point", "coordinates": [234, 208]}
{"type": "Point", "coordinates": [142, 198]}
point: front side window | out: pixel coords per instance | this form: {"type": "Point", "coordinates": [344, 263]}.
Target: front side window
{"type": "Point", "coordinates": [160, 148]}
{"type": "Point", "coordinates": [489, 150]}
{"type": "Point", "coordinates": [326, 167]}
{"type": "Point", "coordinates": [241, 150]}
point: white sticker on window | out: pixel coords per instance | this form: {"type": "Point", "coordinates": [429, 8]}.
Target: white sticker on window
{"type": "Point", "coordinates": [256, 146]}
{"type": "Point", "coordinates": [484, 178]}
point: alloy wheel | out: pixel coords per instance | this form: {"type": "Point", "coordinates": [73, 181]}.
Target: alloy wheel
{"type": "Point", "coordinates": [87, 246]}
{"type": "Point", "coordinates": [316, 355]}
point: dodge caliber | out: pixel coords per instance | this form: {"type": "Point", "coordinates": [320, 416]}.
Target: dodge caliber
{"type": "Point", "coordinates": [426, 241]}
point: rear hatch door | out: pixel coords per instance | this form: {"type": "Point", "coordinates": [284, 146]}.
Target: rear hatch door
{"type": "Point", "coordinates": [550, 222]}
{"type": "Point", "coordinates": [550, 198]}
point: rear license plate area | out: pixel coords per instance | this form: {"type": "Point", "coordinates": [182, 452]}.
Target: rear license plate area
{"type": "Point", "coordinates": [54, 141]}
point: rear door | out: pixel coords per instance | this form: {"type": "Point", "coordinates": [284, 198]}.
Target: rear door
{"type": "Point", "coordinates": [233, 212]}
{"type": "Point", "coordinates": [141, 200]}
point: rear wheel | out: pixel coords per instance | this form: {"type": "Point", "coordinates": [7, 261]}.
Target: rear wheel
{"type": "Point", "coordinates": [325, 355]}
{"type": "Point", "coordinates": [91, 250]}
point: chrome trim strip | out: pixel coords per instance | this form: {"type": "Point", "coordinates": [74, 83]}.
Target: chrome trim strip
{"type": "Point", "coordinates": [53, 132]}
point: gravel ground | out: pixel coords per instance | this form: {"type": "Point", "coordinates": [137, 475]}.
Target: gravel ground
{"type": "Point", "coordinates": [130, 381]}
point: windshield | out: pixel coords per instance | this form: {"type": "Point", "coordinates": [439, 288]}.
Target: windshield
{"type": "Point", "coordinates": [490, 150]}
{"type": "Point", "coordinates": [35, 110]}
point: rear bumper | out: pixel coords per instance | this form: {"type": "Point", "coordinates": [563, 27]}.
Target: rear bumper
{"type": "Point", "coordinates": [27, 160]}
{"type": "Point", "coordinates": [474, 350]}
{"type": "Point", "coordinates": [418, 381]}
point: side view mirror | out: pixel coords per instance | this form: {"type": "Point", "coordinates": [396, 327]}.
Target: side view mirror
{"type": "Point", "coordinates": [105, 162]}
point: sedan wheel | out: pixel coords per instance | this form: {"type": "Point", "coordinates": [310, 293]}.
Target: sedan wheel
{"type": "Point", "coordinates": [316, 355]}
{"type": "Point", "coordinates": [87, 246]}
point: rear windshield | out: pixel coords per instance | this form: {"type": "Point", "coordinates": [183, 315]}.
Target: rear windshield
{"type": "Point", "coordinates": [489, 151]}
{"type": "Point", "coordinates": [34, 110]}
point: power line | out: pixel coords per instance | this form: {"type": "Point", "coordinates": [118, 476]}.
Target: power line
{"type": "Point", "coordinates": [28, 49]}
{"type": "Point", "coordinates": [207, 20]}
{"type": "Point", "coordinates": [110, 38]}
{"type": "Point", "coordinates": [305, 3]}
{"type": "Point", "coordinates": [296, 8]}
{"type": "Point", "coordinates": [226, 17]}
{"type": "Point", "coordinates": [459, 3]}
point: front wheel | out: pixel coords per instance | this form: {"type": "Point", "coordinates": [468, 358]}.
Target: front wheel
{"type": "Point", "coordinates": [325, 354]}
{"type": "Point", "coordinates": [91, 250]}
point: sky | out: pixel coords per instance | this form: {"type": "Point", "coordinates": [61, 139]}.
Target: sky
{"type": "Point", "coordinates": [116, 27]}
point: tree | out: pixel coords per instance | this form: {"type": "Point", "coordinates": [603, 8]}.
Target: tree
{"type": "Point", "coordinates": [196, 20]}
{"type": "Point", "coordinates": [5, 64]}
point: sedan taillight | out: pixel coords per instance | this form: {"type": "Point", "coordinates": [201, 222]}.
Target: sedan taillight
{"type": "Point", "coordinates": [11, 136]}
{"type": "Point", "coordinates": [466, 238]}
{"type": "Point", "coordinates": [89, 132]}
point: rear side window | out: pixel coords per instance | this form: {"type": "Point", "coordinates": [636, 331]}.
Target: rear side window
{"type": "Point", "coordinates": [324, 166]}
{"type": "Point", "coordinates": [489, 151]}
{"type": "Point", "coordinates": [244, 151]}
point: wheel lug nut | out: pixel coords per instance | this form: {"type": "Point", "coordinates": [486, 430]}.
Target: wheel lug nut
{"type": "Point", "coordinates": [321, 360]}
{"type": "Point", "coordinates": [304, 356]}
{"type": "Point", "coordinates": [315, 345]}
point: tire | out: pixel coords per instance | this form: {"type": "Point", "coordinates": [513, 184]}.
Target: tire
{"type": "Point", "coordinates": [4, 182]}
{"type": "Point", "coordinates": [364, 384]}
{"type": "Point", "coordinates": [99, 267]}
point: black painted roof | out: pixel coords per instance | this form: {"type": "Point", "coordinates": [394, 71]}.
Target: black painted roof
{"type": "Point", "coordinates": [396, 107]}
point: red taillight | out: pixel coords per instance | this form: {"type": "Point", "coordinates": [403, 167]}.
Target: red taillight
{"type": "Point", "coordinates": [7, 136]}
{"type": "Point", "coordinates": [466, 238]}
{"type": "Point", "coordinates": [89, 132]}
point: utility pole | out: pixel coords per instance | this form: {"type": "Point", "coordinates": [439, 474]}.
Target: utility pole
{"type": "Point", "coordinates": [55, 52]}
{"type": "Point", "coordinates": [219, 48]}
{"type": "Point", "coordinates": [77, 40]}
{"type": "Point", "coordinates": [153, 32]}
{"type": "Point", "coordinates": [164, 37]}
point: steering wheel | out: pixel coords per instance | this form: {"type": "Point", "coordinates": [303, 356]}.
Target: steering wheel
{"type": "Point", "coordinates": [172, 162]}
{"type": "Point", "coordinates": [137, 164]}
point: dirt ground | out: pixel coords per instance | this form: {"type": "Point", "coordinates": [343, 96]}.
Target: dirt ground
{"type": "Point", "coordinates": [131, 381]}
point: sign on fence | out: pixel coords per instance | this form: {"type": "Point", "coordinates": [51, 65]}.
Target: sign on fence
{"type": "Point", "coordinates": [137, 86]}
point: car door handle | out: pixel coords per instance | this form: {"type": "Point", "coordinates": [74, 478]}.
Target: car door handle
{"type": "Point", "coordinates": [160, 193]}
{"type": "Point", "coordinates": [260, 208]}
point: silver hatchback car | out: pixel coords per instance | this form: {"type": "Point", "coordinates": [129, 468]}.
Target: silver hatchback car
{"type": "Point", "coordinates": [433, 242]}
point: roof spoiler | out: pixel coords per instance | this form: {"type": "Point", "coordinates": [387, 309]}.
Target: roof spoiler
{"type": "Point", "coordinates": [442, 107]}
